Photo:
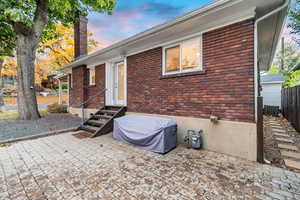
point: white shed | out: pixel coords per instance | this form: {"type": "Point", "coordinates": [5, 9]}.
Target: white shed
{"type": "Point", "coordinates": [271, 89]}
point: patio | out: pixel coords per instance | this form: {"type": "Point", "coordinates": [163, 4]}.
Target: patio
{"type": "Point", "coordinates": [66, 167]}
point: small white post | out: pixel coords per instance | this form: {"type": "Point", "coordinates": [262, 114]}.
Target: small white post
{"type": "Point", "coordinates": [59, 92]}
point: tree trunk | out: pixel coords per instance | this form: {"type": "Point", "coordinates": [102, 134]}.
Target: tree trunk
{"type": "Point", "coordinates": [27, 102]}
{"type": "Point", "coordinates": [1, 86]}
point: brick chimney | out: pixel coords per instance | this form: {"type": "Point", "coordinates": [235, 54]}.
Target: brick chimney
{"type": "Point", "coordinates": [80, 37]}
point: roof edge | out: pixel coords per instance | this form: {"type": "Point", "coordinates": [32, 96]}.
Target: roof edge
{"type": "Point", "coordinates": [154, 29]}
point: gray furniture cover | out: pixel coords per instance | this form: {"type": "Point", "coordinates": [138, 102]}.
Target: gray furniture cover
{"type": "Point", "coordinates": [151, 133]}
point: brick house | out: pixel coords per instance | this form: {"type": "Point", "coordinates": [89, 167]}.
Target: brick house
{"type": "Point", "coordinates": [202, 64]}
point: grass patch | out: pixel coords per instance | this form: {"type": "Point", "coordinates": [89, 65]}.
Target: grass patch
{"type": "Point", "coordinates": [14, 114]}
{"type": "Point", "coordinates": [4, 145]}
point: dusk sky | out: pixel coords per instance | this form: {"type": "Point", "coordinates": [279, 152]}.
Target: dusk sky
{"type": "Point", "coordinates": [134, 16]}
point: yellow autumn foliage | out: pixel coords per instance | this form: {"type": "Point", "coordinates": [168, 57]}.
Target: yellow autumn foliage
{"type": "Point", "coordinates": [52, 55]}
{"type": "Point", "coordinates": [9, 67]}
{"type": "Point", "coordinates": [61, 51]}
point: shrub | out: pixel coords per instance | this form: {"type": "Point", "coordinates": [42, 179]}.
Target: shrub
{"type": "Point", "coordinates": [8, 91]}
{"type": "Point", "coordinates": [57, 108]}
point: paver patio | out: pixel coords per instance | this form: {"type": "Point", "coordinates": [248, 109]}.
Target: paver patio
{"type": "Point", "coordinates": [65, 167]}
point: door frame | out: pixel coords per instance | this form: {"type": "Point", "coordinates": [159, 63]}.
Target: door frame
{"type": "Point", "coordinates": [109, 82]}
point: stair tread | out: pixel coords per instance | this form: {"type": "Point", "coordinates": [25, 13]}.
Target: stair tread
{"type": "Point", "coordinates": [109, 111]}
{"type": "Point", "coordinates": [96, 122]}
{"type": "Point", "coordinates": [288, 146]}
{"type": "Point", "coordinates": [90, 128]}
{"type": "Point", "coordinates": [102, 116]}
{"type": "Point", "coordinates": [102, 121]}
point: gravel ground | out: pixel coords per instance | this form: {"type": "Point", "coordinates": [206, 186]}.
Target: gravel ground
{"type": "Point", "coordinates": [13, 128]}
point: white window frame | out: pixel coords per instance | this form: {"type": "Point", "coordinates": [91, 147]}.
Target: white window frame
{"type": "Point", "coordinates": [90, 75]}
{"type": "Point", "coordinates": [181, 70]}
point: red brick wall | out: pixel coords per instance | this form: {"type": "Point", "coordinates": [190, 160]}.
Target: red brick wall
{"type": "Point", "coordinates": [98, 101]}
{"type": "Point", "coordinates": [81, 90]}
{"type": "Point", "coordinates": [77, 92]}
{"type": "Point", "coordinates": [226, 89]}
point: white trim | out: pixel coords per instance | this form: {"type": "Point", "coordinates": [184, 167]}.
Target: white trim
{"type": "Point", "coordinates": [69, 88]}
{"type": "Point", "coordinates": [180, 44]}
{"type": "Point", "coordinates": [204, 10]}
{"type": "Point", "coordinates": [109, 74]}
{"type": "Point", "coordinates": [286, 3]}
{"type": "Point", "coordinates": [90, 76]}
{"type": "Point", "coordinates": [274, 82]}
{"type": "Point", "coordinates": [255, 70]}
{"type": "Point", "coordinates": [250, 16]}
{"type": "Point", "coordinates": [247, 14]}
{"type": "Point", "coordinates": [190, 36]}
{"type": "Point", "coordinates": [95, 64]}
{"type": "Point", "coordinates": [125, 81]}
{"type": "Point", "coordinates": [108, 84]}
{"type": "Point", "coordinates": [91, 67]}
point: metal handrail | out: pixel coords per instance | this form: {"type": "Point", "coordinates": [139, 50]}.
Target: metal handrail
{"type": "Point", "coordinates": [88, 100]}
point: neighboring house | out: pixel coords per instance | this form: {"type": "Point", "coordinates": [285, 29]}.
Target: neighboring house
{"type": "Point", "coordinates": [198, 65]}
{"type": "Point", "coordinates": [9, 81]}
{"type": "Point", "coordinates": [271, 89]}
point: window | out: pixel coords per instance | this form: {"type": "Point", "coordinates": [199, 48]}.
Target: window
{"type": "Point", "coordinates": [183, 57]}
{"type": "Point", "coordinates": [92, 76]}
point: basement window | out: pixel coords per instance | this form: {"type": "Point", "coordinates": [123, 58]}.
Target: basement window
{"type": "Point", "coordinates": [183, 57]}
{"type": "Point", "coordinates": [92, 76]}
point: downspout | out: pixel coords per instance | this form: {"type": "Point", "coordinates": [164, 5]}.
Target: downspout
{"type": "Point", "coordinates": [286, 3]}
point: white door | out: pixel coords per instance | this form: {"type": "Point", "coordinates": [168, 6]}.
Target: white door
{"type": "Point", "coordinates": [119, 83]}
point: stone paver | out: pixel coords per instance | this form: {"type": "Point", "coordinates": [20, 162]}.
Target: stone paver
{"type": "Point", "coordinates": [281, 134]}
{"type": "Point", "coordinates": [65, 167]}
{"type": "Point", "coordinates": [278, 130]}
{"type": "Point", "coordinates": [280, 139]}
{"type": "Point", "coordinates": [291, 154]}
{"type": "Point", "coordinates": [292, 163]}
{"type": "Point", "coordinates": [288, 146]}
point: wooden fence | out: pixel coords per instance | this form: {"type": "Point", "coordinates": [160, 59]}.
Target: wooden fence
{"type": "Point", "coordinates": [290, 105]}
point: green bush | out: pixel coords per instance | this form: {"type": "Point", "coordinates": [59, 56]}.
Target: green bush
{"type": "Point", "coordinates": [8, 91]}
{"type": "Point", "coordinates": [57, 108]}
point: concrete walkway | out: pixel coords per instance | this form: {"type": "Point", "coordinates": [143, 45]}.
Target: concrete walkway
{"type": "Point", "coordinates": [65, 167]}
{"type": "Point", "coordinates": [13, 128]}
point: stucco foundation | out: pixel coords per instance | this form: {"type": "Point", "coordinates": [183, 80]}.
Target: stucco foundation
{"type": "Point", "coordinates": [78, 112]}
{"type": "Point", "coordinates": [228, 137]}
